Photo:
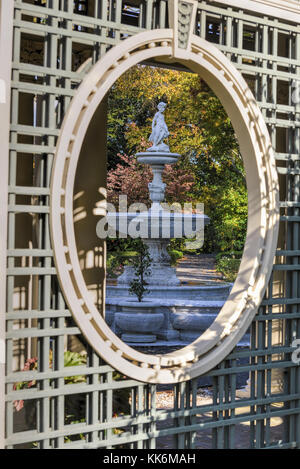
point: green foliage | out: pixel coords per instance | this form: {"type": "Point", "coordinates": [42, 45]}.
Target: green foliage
{"type": "Point", "coordinates": [228, 264]}
{"type": "Point", "coordinates": [31, 364]}
{"type": "Point", "coordinates": [112, 264]}
{"type": "Point", "coordinates": [175, 256]}
{"type": "Point", "coordinates": [227, 208]}
{"type": "Point", "coordinates": [141, 265]}
{"type": "Point", "coordinates": [120, 252]}
{"type": "Point", "coordinates": [121, 246]}
{"type": "Point", "coordinates": [74, 359]}
{"type": "Point", "coordinates": [75, 404]}
{"type": "Point", "coordinates": [229, 254]}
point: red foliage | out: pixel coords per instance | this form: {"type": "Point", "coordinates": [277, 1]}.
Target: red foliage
{"type": "Point", "coordinates": [129, 179]}
{"type": "Point", "coordinates": [132, 179]}
{"type": "Point", "coordinates": [180, 183]}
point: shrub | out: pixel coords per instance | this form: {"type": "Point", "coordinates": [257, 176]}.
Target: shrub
{"type": "Point", "coordinates": [141, 265]}
{"type": "Point", "coordinates": [228, 267]}
{"type": "Point", "coordinates": [175, 256]}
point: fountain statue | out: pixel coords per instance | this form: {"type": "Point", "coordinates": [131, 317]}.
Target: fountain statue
{"type": "Point", "coordinates": [160, 131]}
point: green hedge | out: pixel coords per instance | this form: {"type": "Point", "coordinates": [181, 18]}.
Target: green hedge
{"type": "Point", "coordinates": [175, 256]}
{"type": "Point", "coordinates": [228, 266]}
{"type": "Point", "coordinates": [229, 255]}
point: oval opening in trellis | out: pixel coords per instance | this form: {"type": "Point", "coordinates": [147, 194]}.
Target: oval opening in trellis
{"type": "Point", "coordinates": [256, 264]}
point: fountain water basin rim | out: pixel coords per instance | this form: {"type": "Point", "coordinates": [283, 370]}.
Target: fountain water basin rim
{"type": "Point", "coordinates": [157, 158]}
{"type": "Point", "coordinates": [157, 223]}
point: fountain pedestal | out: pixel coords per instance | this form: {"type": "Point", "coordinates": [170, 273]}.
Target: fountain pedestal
{"type": "Point", "coordinates": [159, 222]}
{"type": "Point", "coordinates": [161, 271]}
{"type": "Point", "coordinates": [157, 161]}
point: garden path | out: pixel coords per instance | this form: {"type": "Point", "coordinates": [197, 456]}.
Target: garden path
{"type": "Point", "coordinates": [193, 268]}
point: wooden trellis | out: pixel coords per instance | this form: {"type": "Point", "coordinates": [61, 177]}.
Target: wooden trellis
{"type": "Point", "coordinates": [52, 39]}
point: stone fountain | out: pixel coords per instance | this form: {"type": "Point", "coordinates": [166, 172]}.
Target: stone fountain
{"type": "Point", "coordinates": [185, 311]}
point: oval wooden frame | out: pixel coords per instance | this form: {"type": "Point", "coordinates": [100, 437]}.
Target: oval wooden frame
{"type": "Point", "coordinates": [263, 209]}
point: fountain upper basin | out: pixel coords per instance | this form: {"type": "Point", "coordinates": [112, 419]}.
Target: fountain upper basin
{"type": "Point", "coordinates": [157, 223]}
{"type": "Point", "coordinates": [155, 157]}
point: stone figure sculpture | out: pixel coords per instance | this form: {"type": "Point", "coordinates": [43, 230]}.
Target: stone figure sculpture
{"type": "Point", "coordinates": [159, 130]}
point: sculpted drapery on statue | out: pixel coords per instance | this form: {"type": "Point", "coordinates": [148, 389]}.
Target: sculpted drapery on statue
{"type": "Point", "coordinates": [159, 130]}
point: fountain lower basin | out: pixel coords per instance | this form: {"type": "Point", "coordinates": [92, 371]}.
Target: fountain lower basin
{"type": "Point", "coordinates": [181, 321]}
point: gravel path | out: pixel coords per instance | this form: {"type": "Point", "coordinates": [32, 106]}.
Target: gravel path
{"type": "Point", "coordinates": [194, 269]}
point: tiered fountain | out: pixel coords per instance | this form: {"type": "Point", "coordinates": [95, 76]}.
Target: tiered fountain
{"type": "Point", "coordinates": [173, 314]}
